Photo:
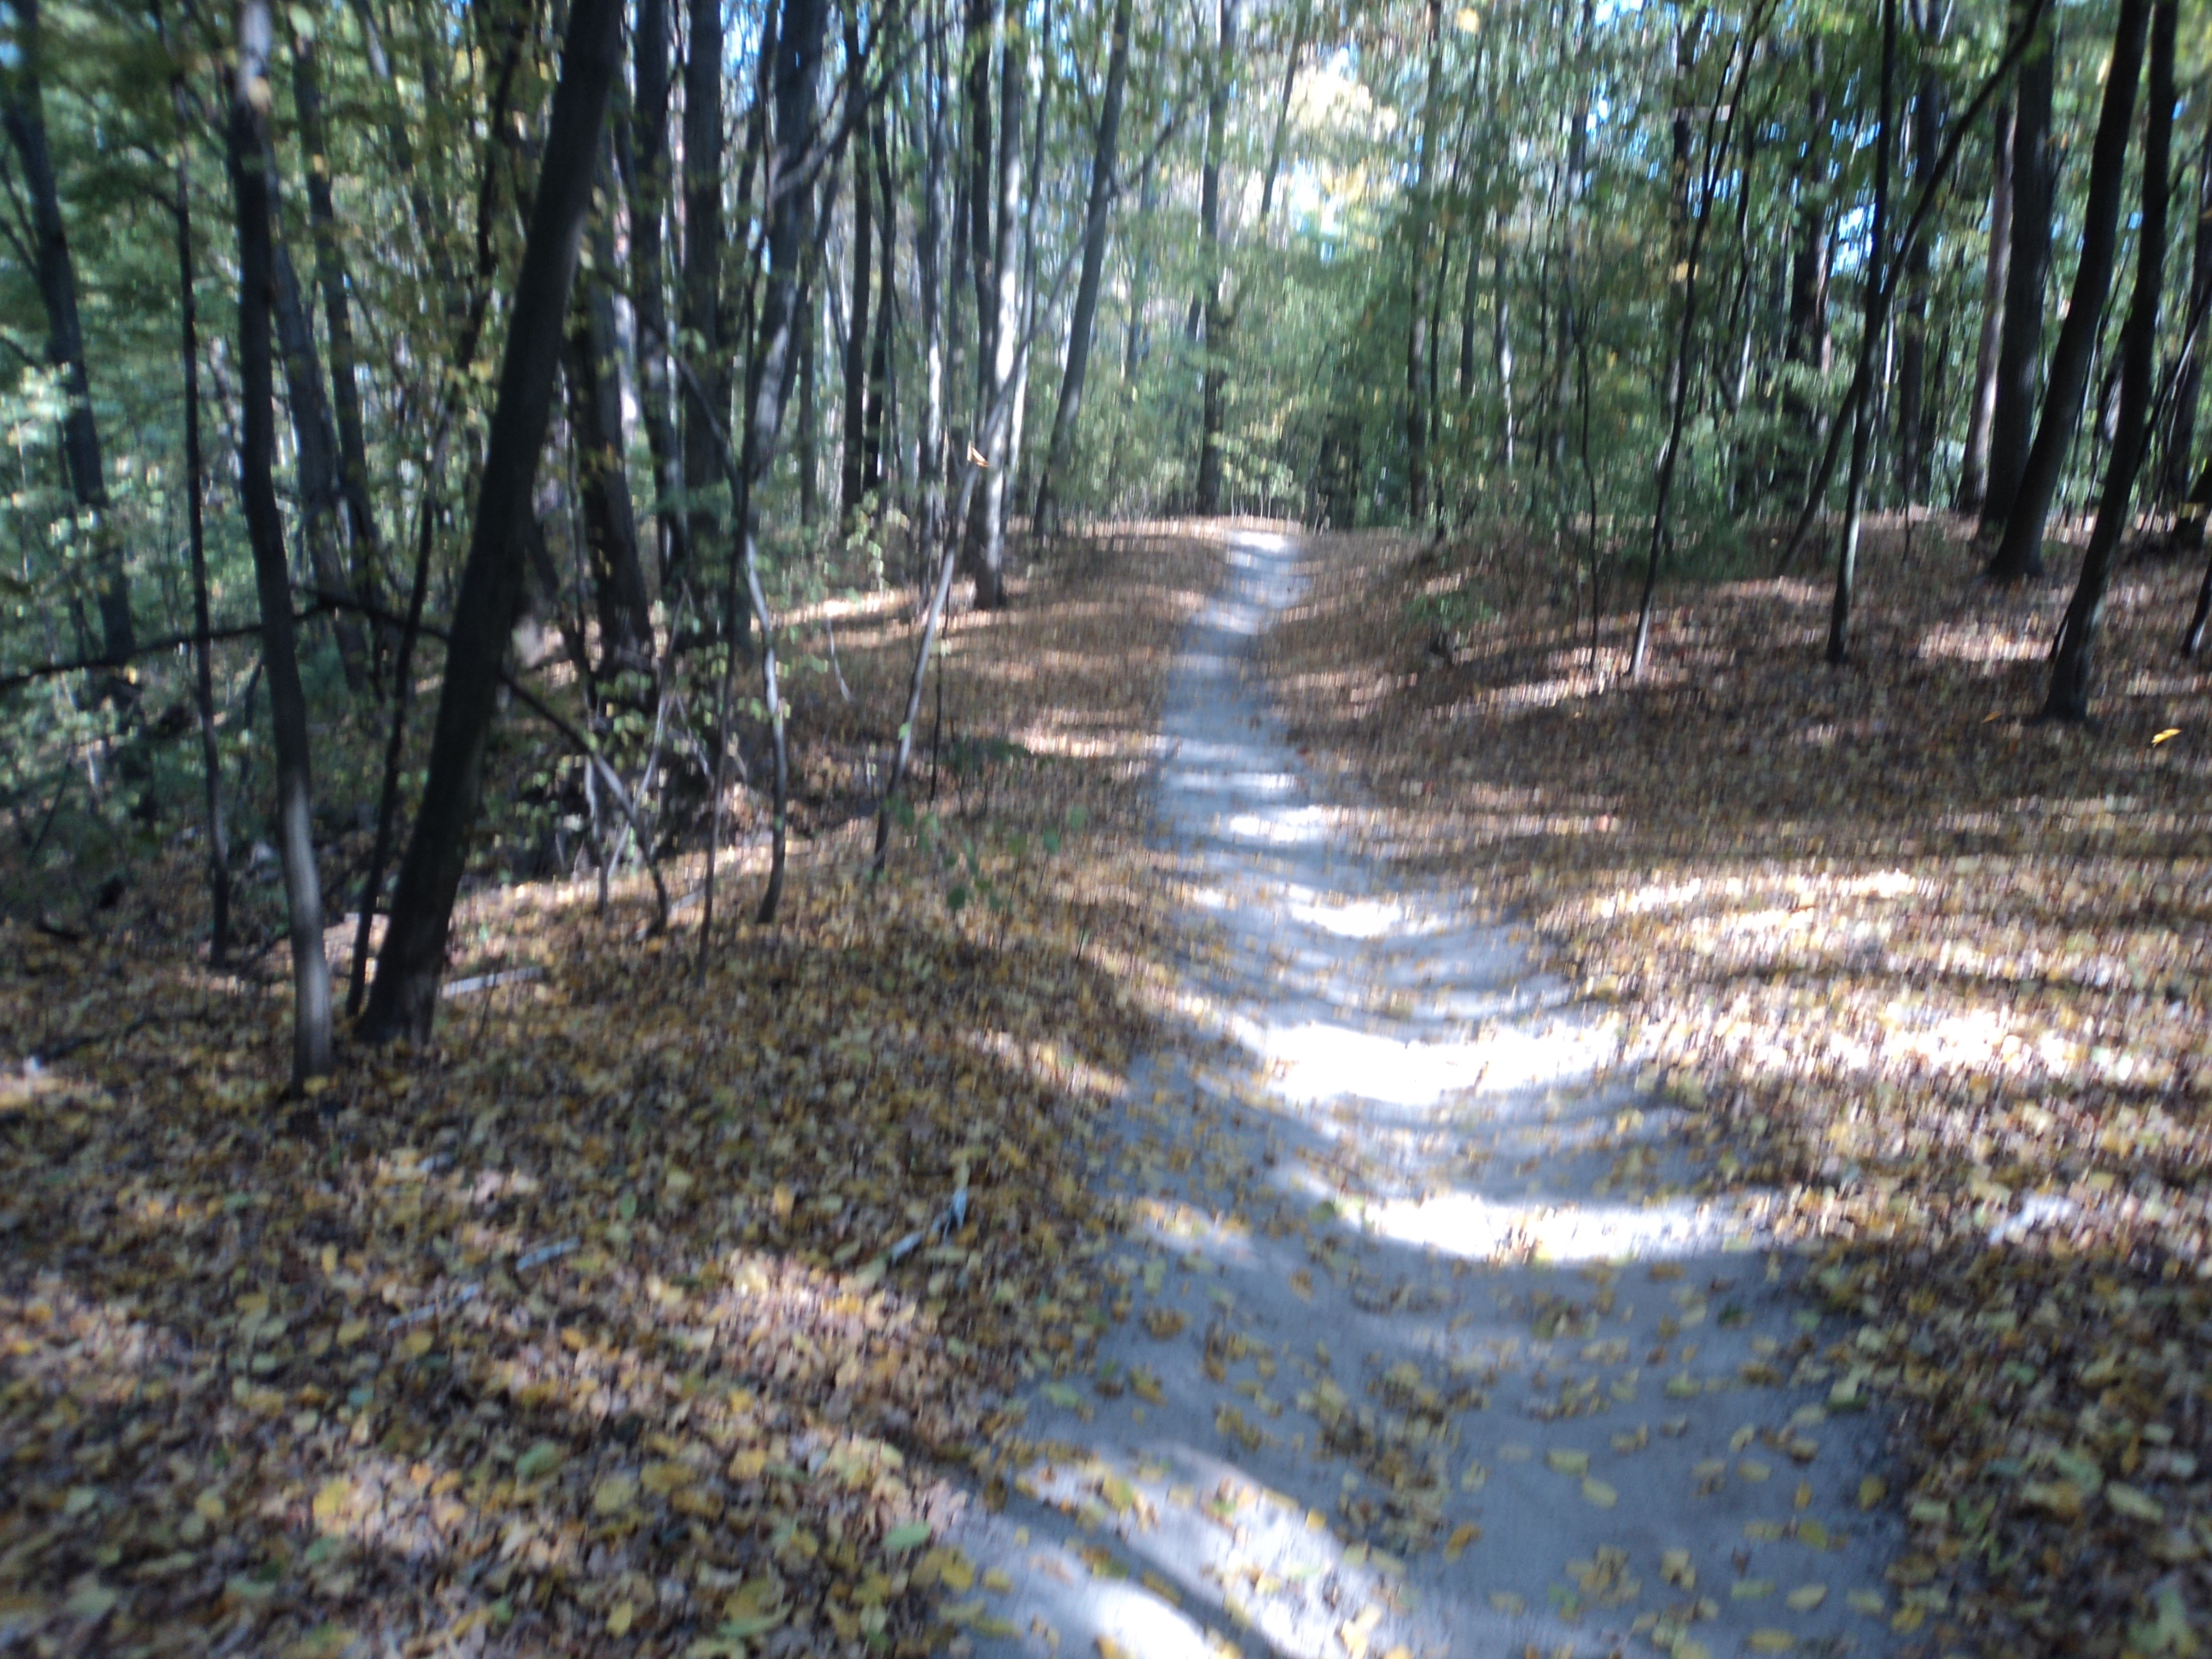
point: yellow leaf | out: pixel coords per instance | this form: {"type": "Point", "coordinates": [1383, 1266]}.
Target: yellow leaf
{"type": "Point", "coordinates": [1600, 1493]}
{"type": "Point", "coordinates": [1568, 1462]}
{"type": "Point", "coordinates": [330, 1501]}
{"type": "Point", "coordinates": [1752, 1469]}
{"type": "Point", "coordinates": [1867, 1602]}
{"type": "Point", "coordinates": [1804, 1498]}
{"type": "Point", "coordinates": [1806, 1597]}
{"type": "Point", "coordinates": [1461, 1535]}
{"type": "Point", "coordinates": [662, 1478]}
{"type": "Point", "coordinates": [614, 1494]}
{"type": "Point", "coordinates": [2171, 733]}
{"type": "Point", "coordinates": [1872, 1491]}
{"type": "Point", "coordinates": [1773, 1641]}
{"type": "Point", "coordinates": [619, 1621]}
{"type": "Point", "coordinates": [1675, 1567]}
{"type": "Point", "coordinates": [957, 1572]}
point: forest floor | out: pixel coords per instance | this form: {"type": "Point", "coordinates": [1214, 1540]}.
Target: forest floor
{"type": "Point", "coordinates": [812, 1309]}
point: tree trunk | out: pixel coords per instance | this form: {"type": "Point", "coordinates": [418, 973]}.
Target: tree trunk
{"type": "Point", "coordinates": [702, 345]}
{"type": "Point", "coordinates": [22, 109]}
{"type": "Point", "coordinates": [590, 359]}
{"type": "Point", "coordinates": [1808, 343]}
{"type": "Point", "coordinates": [929, 263]}
{"type": "Point", "coordinates": [315, 463]}
{"type": "Point", "coordinates": [1982, 396]}
{"type": "Point", "coordinates": [1501, 328]}
{"type": "Point", "coordinates": [406, 996]}
{"type": "Point", "coordinates": [368, 564]}
{"type": "Point", "coordinates": [987, 521]}
{"type": "Point", "coordinates": [1084, 316]}
{"type": "Point", "coordinates": [1876, 283]}
{"type": "Point", "coordinates": [797, 66]}
{"type": "Point", "coordinates": [1416, 335]}
{"type": "Point", "coordinates": [218, 841]}
{"type": "Point", "coordinates": [879, 353]}
{"type": "Point", "coordinates": [2027, 273]}
{"type": "Point", "coordinates": [1912, 336]}
{"type": "Point", "coordinates": [2189, 371]}
{"type": "Point", "coordinates": [251, 166]}
{"type": "Point", "coordinates": [2020, 554]}
{"type": "Point", "coordinates": [2071, 664]}
{"type": "Point", "coordinates": [985, 23]}
{"type": "Point", "coordinates": [853, 458]}
{"type": "Point", "coordinates": [1214, 376]}
{"type": "Point", "coordinates": [648, 295]}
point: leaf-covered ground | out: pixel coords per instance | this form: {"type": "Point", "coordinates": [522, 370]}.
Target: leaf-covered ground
{"type": "Point", "coordinates": [634, 1315]}
{"type": "Point", "coordinates": [1932, 974]}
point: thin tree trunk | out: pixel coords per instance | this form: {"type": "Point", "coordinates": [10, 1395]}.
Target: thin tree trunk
{"type": "Point", "coordinates": [590, 356]}
{"type": "Point", "coordinates": [1912, 336]}
{"type": "Point", "coordinates": [797, 66]}
{"type": "Point", "coordinates": [251, 166]}
{"type": "Point", "coordinates": [2189, 371]}
{"type": "Point", "coordinates": [853, 458]}
{"type": "Point", "coordinates": [648, 292]}
{"type": "Point", "coordinates": [315, 461]}
{"type": "Point", "coordinates": [1083, 319]}
{"type": "Point", "coordinates": [1982, 396]}
{"type": "Point", "coordinates": [2020, 554]}
{"type": "Point", "coordinates": [1501, 326]}
{"type": "Point", "coordinates": [879, 353]}
{"type": "Point", "coordinates": [2027, 273]}
{"type": "Point", "coordinates": [22, 109]}
{"type": "Point", "coordinates": [703, 277]}
{"type": "Point", "coordinates": [2073, 660]}
{"type": "Point", "coordinates": [929, 263]}
{"type": "Point", "coordinates": [1808, 345]}
{"type": "Point", "coordinates": [404, 998]}
{"type": "Point", "coordinates": [987, 524]}
{"type": "Point", "coordinates": [1877, 287]}
{"type": "Point", "coordinates": [368, 564]}
{"type": "Point", "coordinates": [1214, 376]}
{"type": "Point", "coordinates": [218, 840]}
{"type": "Point", "coordinates": [805, 451]}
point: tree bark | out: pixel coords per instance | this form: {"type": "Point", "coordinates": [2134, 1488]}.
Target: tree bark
{"type": "Point", "coordinates": [590, 359]}
{"type": "Point", "coordinates": [1215, 376]}
{"type": "Point", "coordinates": [218, 840]}
{"type": "Point", "coordinates": [1877, 287]}
{"type": "Point", "coordinates": [2020, 554]}
{"type": "Point", "coordinates": [404, 998]}
{"type": "Point", "coordinates": [368, 564]}
{"type": "Point", "coordinates": [1982, 396]}
{"type": "Point", "coordinates": [22, 109]}
{"type": "Point", "coordinates": [987, 522]}
{"type": "Point", "coordinates": [1808, 343]}
{"type": "Point", "coordinates": [252, 168]}
{"type": "Point", "coordinates": [797, 66]}
{"type": "Point", "coordinates": [1084, 317]}
{"type": "Point", "coordinates": [2027, 273]}
{"type": "Point", "coordinates": [2189, 370]}
{"type": "Point", "coordinates": [315, 461]}
{"type": "Point", "coordinates": [647, 174]}
{"type": "Point", "coordinates": [1911, 452]}
{"type": "Point", "coordinates": [853, 456]}
{"type": "Point", "coordinates": [702, 341]}
{"type": "Point", "coordinates": [929, 264]}
{"type": "Point", "coordinates": [2074, 659]}
{"type": "Point", "coordinates": [1417, 333]}
{"type": "Point", "coordinates": [879, 353]}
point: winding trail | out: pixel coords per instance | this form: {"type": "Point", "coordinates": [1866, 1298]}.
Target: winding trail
{"type": "Point", "coordinates": [1417, 1351]}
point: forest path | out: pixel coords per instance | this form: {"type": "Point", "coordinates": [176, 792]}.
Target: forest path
{"type": "Point", "coordinates": [1409, 1265]}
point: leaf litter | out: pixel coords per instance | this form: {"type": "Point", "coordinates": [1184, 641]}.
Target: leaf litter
{"type": "Point", "coordinates": [589, 1328]}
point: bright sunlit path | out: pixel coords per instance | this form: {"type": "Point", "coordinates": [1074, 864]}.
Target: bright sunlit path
{"type": "Point", "coordinates": [1423, 1343]}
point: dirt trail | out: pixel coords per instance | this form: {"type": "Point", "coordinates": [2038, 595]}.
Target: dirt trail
{"type": "Point", "coordinates": [1416, 1350]}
